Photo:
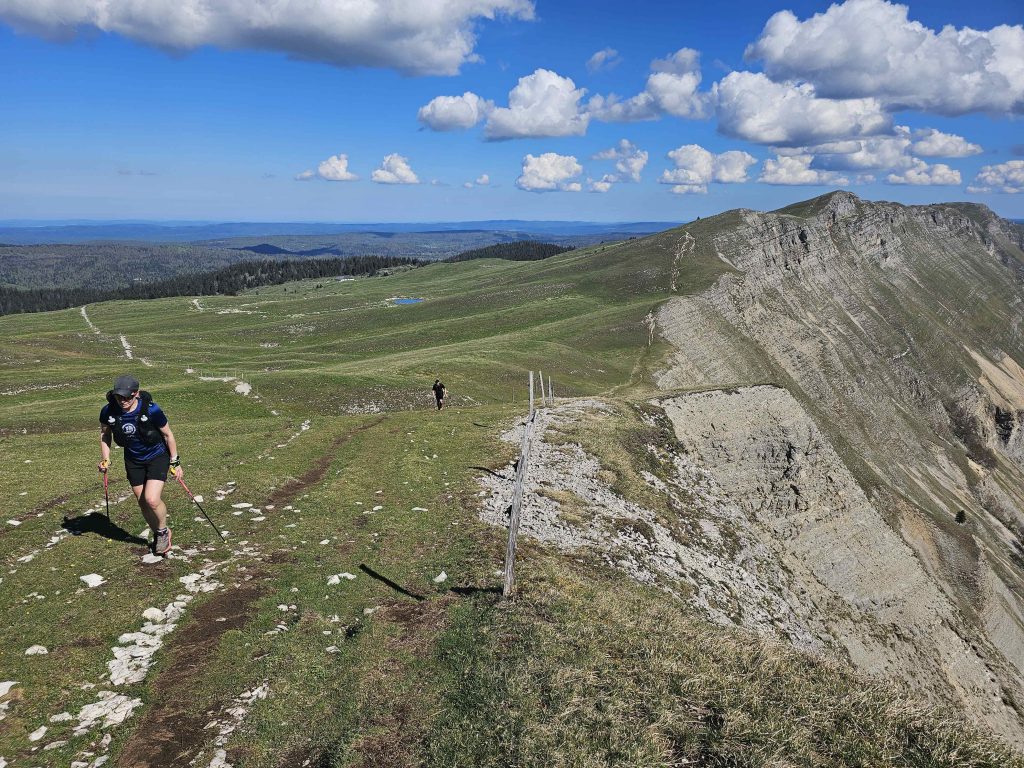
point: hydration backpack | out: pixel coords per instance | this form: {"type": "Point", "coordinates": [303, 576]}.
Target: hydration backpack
{"type": "Point", "coordinates": [144, 429]}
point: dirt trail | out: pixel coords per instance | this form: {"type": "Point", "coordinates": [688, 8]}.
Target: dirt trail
{"type": "Point", "coordinates": [172, 730]}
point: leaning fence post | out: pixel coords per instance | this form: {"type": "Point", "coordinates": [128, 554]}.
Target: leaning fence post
{"type": "Point", "coordinates": [543, 397]}
{"type": "Point", "coordinates": [517, 500]}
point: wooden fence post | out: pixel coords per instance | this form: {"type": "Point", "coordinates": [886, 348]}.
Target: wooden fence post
{"type": "Point", "coordinates": [517, 500]}
{"type": "Point", "coordinates": [551, 394]}
{"type": "Point", "coordinates": [543, 397]}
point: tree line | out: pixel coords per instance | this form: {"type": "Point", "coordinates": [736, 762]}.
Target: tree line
{"type": "Point", "coordinates": [227, 281]}
{"type": "Point", "coordinates": [519, 250]}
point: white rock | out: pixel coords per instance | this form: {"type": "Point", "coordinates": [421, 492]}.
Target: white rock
{"type": "Point", "coordinates": [37, 734]}
{"type": "Point", "coordinates": [199, 498]}
{"type": "Point", "coordinates": [5, 687]}
{"type": "Point", "coordinates": [418, 509]}
{"type": "Point", "coordinates": [149, 558]}
{"type": "Point", "coordinates": [333, 649]}
{"type": "Point", "coordinates": [63, 717]}
{"type": "Point", "coordinates": [378, 508]}
{"type": "Point", "coordinates": [92, 580]}
{"type": "Point", "coordinates": [154, 615]}
{"type": "Point", "coordinates": [36, 650]}
{"type": "Point", "coordinates": [441, 577]}
{"type": "Point", "coordinates": [325, 541]}
{"type": "Point", "coordinates": [257, 519]}
{"type": "Point", "coordinates": [241, 505]}
{"type": "Point", "coordinates": [14, 522]}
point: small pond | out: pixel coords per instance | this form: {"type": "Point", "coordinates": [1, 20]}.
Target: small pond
{"type": "Point", "coordinates": [406, 301]}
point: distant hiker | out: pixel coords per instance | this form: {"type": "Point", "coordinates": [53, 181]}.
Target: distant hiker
{"type": "Point", "coordinates": [132, 420]}
{"type": "Point", "coordinates": [440, 393]}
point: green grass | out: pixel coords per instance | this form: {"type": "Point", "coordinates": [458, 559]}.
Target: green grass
{"type": "Point", "coordinates": [422, 672]}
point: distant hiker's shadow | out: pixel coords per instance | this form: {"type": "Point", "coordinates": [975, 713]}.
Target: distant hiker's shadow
{"type": "Point", "coordinates": [385, 580]}
{"type": "Point", "coordinates": [101, 526]}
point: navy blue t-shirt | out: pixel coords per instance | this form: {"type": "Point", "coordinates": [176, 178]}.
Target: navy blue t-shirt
{"type": "Point", "coordinates": [134, 448]}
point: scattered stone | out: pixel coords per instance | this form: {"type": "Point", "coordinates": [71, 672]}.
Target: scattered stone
{"type": "Point", "coordinates": [5, 687]}
{"type": "Point", "coordinates": [92, 580]}
{"type": "Point", "coordinates": [154, 615]}
{"type": "Point", "coordinates": [15, 523]}
{"type": "Point", "coordinates": [36, 650]}
{"type": "Point", "coordinates": [149, 558]}
{"type": "Point", "coordinates": [199, 498]}
{"type": "Point", "coordinates": [37, 734]}
{"type": "Point", "coordinates": [333, 649]}
{"type": "Point", "coordinates": [241, 505]}
{"type": "Point", "coordinates": [325, 541]}
{"type": "Point", "coordinates": [441, 578]}
{"type": "Point", "coordinates": [54, 745]}
{"type": "Point", "coordinates": [418, 509]}
{"type": "Point", "coordinates": [63, 717]}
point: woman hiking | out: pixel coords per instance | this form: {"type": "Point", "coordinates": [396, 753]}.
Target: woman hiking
{"type": "Point", "coordinates": [132, 420]}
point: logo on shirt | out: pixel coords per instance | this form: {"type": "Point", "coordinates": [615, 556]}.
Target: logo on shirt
{"type": "Point", "coordinates": [128, 429]}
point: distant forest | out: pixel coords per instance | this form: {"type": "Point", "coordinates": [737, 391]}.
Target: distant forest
{"type": "Point", "coordinates": [226, 281]}
{"type": "Point", "coordinates": [520, 250]}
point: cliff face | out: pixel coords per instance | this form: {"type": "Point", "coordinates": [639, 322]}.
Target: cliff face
{"type": "Point", "coordinates": [853, 382]}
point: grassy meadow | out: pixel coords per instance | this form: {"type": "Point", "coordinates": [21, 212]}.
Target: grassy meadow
{"type": "Point", "coordinates": [405, 657]}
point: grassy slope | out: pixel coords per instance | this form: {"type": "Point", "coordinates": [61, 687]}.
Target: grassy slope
{"type": "Point", "coordinates": [423, 673]}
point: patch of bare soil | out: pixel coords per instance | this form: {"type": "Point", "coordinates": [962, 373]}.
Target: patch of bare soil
{"type": "Point", "coordinates": [291, 489]}
{"type": "Point", "coordinates": [171, 733]}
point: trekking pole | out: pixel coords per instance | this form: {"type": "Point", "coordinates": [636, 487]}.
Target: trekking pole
{"type": "Point", "coordinates": [106, 493]}
{"type": "Point", "coordinates": [191, 496]}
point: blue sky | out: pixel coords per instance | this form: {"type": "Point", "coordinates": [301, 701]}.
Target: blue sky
{"type": "Point", "coordinates": [295, 110]}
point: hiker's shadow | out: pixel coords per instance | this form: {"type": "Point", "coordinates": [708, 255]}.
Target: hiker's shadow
{"type": "Point", "coordinates": [101, 526]}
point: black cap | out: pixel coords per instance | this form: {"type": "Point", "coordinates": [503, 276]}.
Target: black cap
{"type": "Point", "coordinates": [125, 385]}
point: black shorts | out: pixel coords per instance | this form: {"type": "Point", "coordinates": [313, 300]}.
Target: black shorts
{"type": "Point", "coordinates": [140, 471]}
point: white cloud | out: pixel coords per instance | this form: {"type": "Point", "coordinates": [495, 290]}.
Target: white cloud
{"type": "Point", "coordinates": [548, 172]}
{"type": "Point", "coordinates": [483, 180]}
{"type": "Point", "coordinates": [895, 152]}
{"type": "Point", "coordinates": [796, 169]}
{"type": "Point", "coordinates": [929, 142]}
{"type": "Point", "coordinates": [671, 90]}
{"type": "Point", "coordinates": [629, 160]}
{"type": "Point", "coordinates": [604, 184]}
{"type": "Point", "coordinates": [541, 105]}
{"type": "Point", "coordinates": [305, 176]}
{"type": "Point", "coordinates": [869, 48]}
{"type": "Point", "coordinates": [920, 173]}
{"type": "Point", "coordinates": [752, 107]}
{"type": "Point", "coordinates": [394, 170]}
{"type": "Point", "coordinates": [451, 113]}
{"type": "Point", "coordinates": [1006, 177]}
{"type": "Point", "coordinates": [335, 168]}
{"type": "Point", "coordinates": [434, 38]}
{"type": "Point", "coordinates": [606, 58]}
{"type": "Point", "coordinates": [696, 167]}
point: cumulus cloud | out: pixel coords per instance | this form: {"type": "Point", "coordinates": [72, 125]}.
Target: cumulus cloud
{"type": "Point", "coordinates": [606, 58]}
{"type": "Point", "coordinates": [541, 105]}
{"type": "Point", "coordinates": [1006, 177]}
{"type": "Point", "coordinates": [796, 169]}
{"type": "Point", "coordinates": [671, 89]}
{"type": "Point", "coordinates": [483, 180]}
{"type": "Point", "coordinates": [434, 38]}
{"type": "Point", "coordinates": [696, 167]}
{"type": "Point", "coordinates": [920, 173]}
{"type": "Point", "coordinates": [871, 49]}
{"type": "Point", "coordinates": [604, 184]}
{"type": "Point", "coordinates": [394, 170]}
{"type": "Point", "coordinates": [896, 152]}
{"type": "Point", "coordinates": [752, 107]}
{"type": "Point", "coordinates": [629, 160]}
{"type": "Point", "coordinates": [452, 113]}
{"type": "Point", "coordinates": [549, 172]}
{"type": "Point", "coordinates": [335, 168]}
{"type": "Point", "coordinates": [929, 142]}
{"type": "Point", "coordinates": [305, 176]}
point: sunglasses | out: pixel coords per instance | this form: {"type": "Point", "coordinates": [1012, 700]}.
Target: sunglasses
{"type": "Point", "coordinates": [124, 398]}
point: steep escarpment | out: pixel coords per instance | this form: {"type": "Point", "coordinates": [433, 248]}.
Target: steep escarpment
{"type": "Point", "coordinates": [889, 336]}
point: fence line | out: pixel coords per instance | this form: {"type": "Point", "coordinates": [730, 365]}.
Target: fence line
{"type": "Point", "coordinates": [517, 493]}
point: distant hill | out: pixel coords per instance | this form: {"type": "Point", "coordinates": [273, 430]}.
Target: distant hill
{"type": "Point", "coordinates": [30, 233]}
{"type": "Point", "coordinates": [520, 250]}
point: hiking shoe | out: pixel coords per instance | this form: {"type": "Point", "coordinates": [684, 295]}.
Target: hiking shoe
{"type": "Point", "coordinates": [162, 542]}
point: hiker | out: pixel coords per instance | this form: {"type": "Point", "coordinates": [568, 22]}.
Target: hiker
{"type": "Point", "coordinates": [132, 420]}
{"type": "Point", "coordinates": [440, 393]}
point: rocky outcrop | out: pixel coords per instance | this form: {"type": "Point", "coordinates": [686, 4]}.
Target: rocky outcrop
{"type": "Point", "coordinates": [894, 330]}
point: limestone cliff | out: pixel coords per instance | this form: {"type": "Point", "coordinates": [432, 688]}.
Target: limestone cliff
{"type": "Point", "coordinates": [883, 464]}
